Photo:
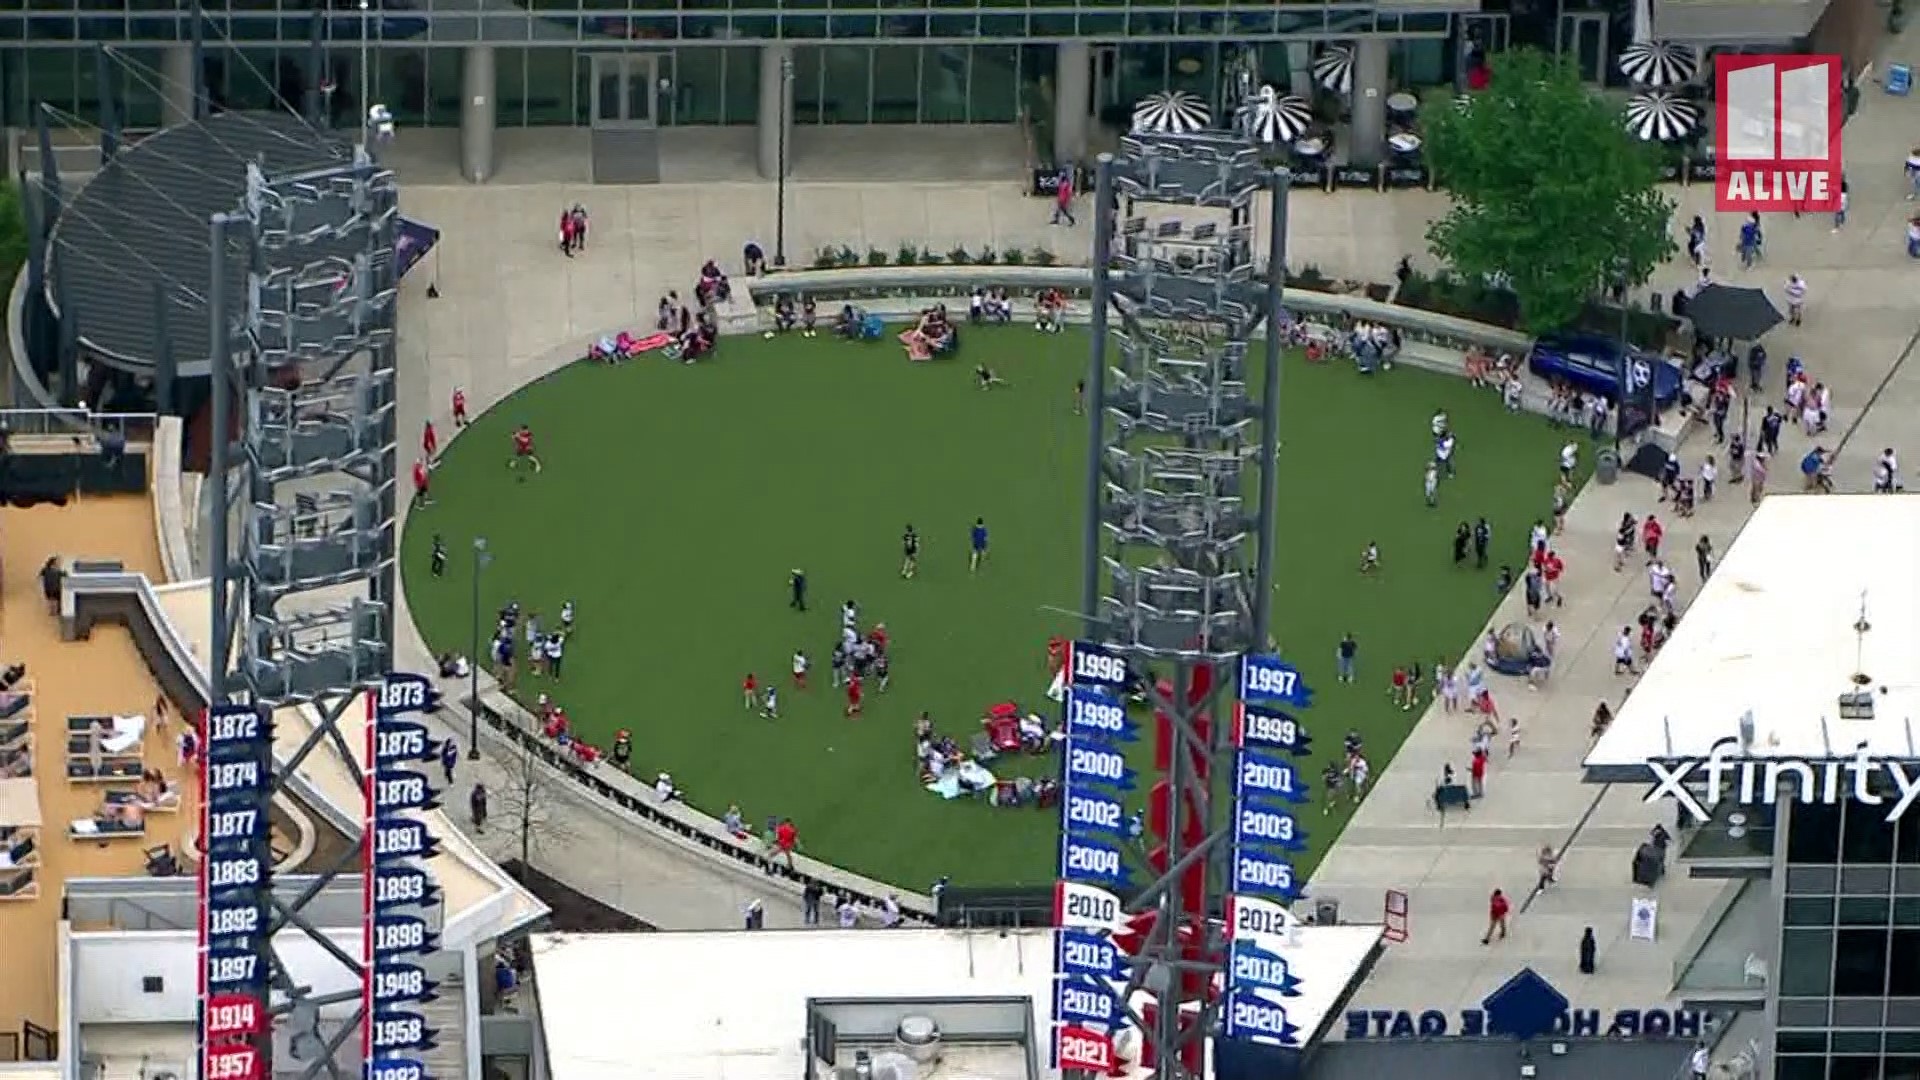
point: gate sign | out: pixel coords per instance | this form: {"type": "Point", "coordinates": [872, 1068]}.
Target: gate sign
{"type": "Point", "coordinates": [1267, 739]}
{"type": "Point", "coordinates": [1094, 774]}
{"type": "Point", "coordinates": [233, 886]}
{"type": "Point", "coordinates": [401, 895]}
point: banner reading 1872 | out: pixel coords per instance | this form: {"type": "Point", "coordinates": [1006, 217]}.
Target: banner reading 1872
{"type": "Point", "coordinates": [402, 901]}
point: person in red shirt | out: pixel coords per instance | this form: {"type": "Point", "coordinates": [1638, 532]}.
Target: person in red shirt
{"type": "Point", "coordinates": [1063, 199]}
{"type": "Point", "coordinates": [749, 686]}
{"type": "Point", "coordinates": [1477, 769]}
{"type": "Point", "coordinates": [1497, 910]}
{"type": "Point", "coordinates": [879, 637]}
{"type": "Point", "coordinates": [1401, 696]}
{"type": "Point", "coordinates": [420, 481]}
{"type": "Point", "coordinates": [430, 441]}
{"type": "Point", "coordinates": [459, 407]}
{"type": "Point", "coordinates": [785, 839]}
{"type": "Point", "coordinates": [1550, 570]}
{"type": "Point", "coordinates": [523, 448]}
{"type": "Point", "coordinates": [1650, 534]}
{"type": "Point", "coordinates": [853, 695]}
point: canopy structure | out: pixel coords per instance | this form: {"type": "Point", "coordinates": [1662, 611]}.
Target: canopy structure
{"type": "Point", "coordinates": [1333, 68]}
{"type": "Point", "coordinates": [1174, 112]}
{"type": "Point", "coordinates": [1732, 311]}
{"type": "Point", "coordinates": [1659, 63]}
{"type": "Point", "coordinates": [1658, 116]}
{"type": "Point", "coordinates": [1271, 117]}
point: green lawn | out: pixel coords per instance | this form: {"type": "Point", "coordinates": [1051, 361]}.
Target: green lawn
{"type": "Point", "coordinates": [675, 500]}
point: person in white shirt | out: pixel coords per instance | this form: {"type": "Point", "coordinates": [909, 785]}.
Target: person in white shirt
{"type": "Point", "coordinates": [800, 666]}
{"type": "Point", "coordinates": [1569, 459]}
{"type": "Point", "coordinates": [848, 915]}
{"type": "Point", "coordinates": [1796, 298]}
{"type": "Point", "coordinates": [1701, 1061]}
{"type": "Point", "coordinates": [1440, 423]}
{"type": "Point", "coordinates": [890, 911]}
{"type": "Point", "coordinates": [1623, 652]}
{"type": "Point", "coordinates": [1658, 577]}
{"type": "Point", "coordinates": [1886, 473]}
{"type": "Point", "coordinates": [1432, 484]}
{"type": "Point", "coordinates": [1510, 394]}
{"type": "Point", "coordinates": [849, 615]}
{"type": "Point", "coordinates": [1709, 472]}
{"type": "Point", "coordinates": [1358, 771]}
{"type": "Point", "coordinates": [1443, 454]}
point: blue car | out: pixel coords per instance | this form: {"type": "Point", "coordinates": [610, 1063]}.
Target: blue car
{"type": "Point", "coordinates": [1591, 363]}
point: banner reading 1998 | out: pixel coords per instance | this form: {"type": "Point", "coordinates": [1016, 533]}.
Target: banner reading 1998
{"type": "Point", "coordinates": [402, 901]}
{"type": "Point", "coordinates": [1089, 973]}
{"type": "Point", "coordinates": [1266, 788]}
{"type": "Point", "coordinates": [236, 787]}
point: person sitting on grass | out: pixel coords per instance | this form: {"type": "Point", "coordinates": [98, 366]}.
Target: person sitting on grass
{"type": "Point", "coordinates": [930, 336]}
{"type": "Point", "coordinates": [713, 287]}
{"type": "Point", "coordinates": [984, 377]}
{"type": "Point", "coordinates": [809, 317]}
{"type": "Point", "coordinates": [784, 317]}
{"type": "Point", "coordinates": [848, 324]}
{"type": "Point", "coordinates": [999, 309]}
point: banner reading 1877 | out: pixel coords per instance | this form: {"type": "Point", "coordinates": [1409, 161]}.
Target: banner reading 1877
{"type": "Point", "coordinates": [402, 900]}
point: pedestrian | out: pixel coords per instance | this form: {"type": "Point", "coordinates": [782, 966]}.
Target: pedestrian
{"type": "Point", "coordinates": [786, 837]}
{"type": "Point", "coordinates": [1344, 656]}
{"type": "Point", "coordinates": [1477, 772]}
{"type": "Point", "coordinates": [797, 589]}
{"type": "Point", "coordinates": [421, 482]}
{"type": "Point", "coordinates": [459, 408]}
{"type": "Point", "coordinates": [439, 557]}
{"type": "Point", "coordinates": [1757, 486]}
{"type": "Point", "coordinates": [1651, 532]}
{"type": "Point", "coordinates": [1063, 199]}
{"type": "Point", "coordinates": [1497, 910]}
{"type": "Point", "coordinates": [1700, 1061]}
{"type": "Point", "coordinates": [578, 216]}
{"type": "Point", "coordinates": [566, 233]}
{"type": "Point", "coordinates": [1588, 947]}
{"type": "Point", "coordinates": [1623, 652]}
{"type": "Point", "coordinates": [1482, 539]}
{"type": "Point", "coordinates": [853, 694]}
{"type": "Point", "coordinates": [1549, 864]}
{"type": "Point", "coordinates": [449, 757]}
{"type": "Point", "coordinates": [1796, 298]}
{"type": "Point", "coordinates": [756, 918]}
{"type": "Point", "coordinates": [1462, 536]}
{"type": "Point", "coordinates": [810, 902]}
{"type": "Point", "coordinates": [1703, 557]}
{"type": "Point", "coordinates": [1709, 473]}
{"type": "Point", "coordinates": [477, 807]}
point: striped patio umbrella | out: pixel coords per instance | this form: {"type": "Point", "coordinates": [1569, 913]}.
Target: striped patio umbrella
{"type": "Point", "coordinates": [1271, 117]}
{"type": "Point", "coordinates": [1333, 68]}
{"type": "Point", "coordinates": [1174, 112]}
{"type": "Point", "coordinates": [1658, 116]}
{"type": "Point", "coordinates": [1659, 63]}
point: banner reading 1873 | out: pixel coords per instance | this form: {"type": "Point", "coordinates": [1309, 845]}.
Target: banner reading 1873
{"type": "Point", "coordinates": [402, 900]}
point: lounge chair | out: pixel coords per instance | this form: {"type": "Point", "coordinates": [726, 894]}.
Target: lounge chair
{"type": "Point", "coordinates": [19, 884]}
{"type": "Point", "coordinates": [94, 828]}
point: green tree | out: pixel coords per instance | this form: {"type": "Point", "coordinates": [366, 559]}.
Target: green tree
{"type": "Point", "coordinates": [13, 233]}
{"type": "Point", "coordinates": [1548, 188]}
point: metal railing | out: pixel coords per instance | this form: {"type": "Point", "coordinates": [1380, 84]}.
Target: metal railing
{"type": "Point", "coordinates": [136, 428]}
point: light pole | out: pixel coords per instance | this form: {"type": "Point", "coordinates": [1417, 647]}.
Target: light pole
{"type": "Point", "coordinates": [481, 557]}
{"type": "Point", "coordinates": [780, 181]}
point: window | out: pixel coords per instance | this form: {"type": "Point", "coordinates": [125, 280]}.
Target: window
{"type": "Point", "coordinates": [1813, 833]}
{"type": "Point", "coordinates": [1855, 1068]}
{"type": "Point", "coordinates": [1800, 1068]}
{"type": "Point", "coordinates": [1865, 910]}
{"type": "Point", "coordinates": [1809, 911]}
{"type": "Point", "coordinates": [1902, 1068]}
{"type": "Point", "coordinates": [1869, 835]}
{"type": "Point", "coordinates": [1906, 848]}
{"type": "Point", "coordinates": [1806, 963]}
{"type": "Point", "coordinates": [1860, 964]}
{"type": "Point", "coordinates": [1904, 964]}
{"type": "Point", "coordinates": [1800, 1042]}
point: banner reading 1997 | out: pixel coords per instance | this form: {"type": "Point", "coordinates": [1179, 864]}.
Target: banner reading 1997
{"type": "Point", "coordinates": [1089, 972]}
{"type": "Point", "coordinates": [402, 900]}
{"type": "Point", "coordinates": [1266, 788]}
{"type": "Point", "coordinates": [236, 787]}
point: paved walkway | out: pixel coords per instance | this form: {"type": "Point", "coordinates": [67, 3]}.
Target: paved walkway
{"type": "Point", "coordinates": [511, 310]}
{"type": "Point", "coordinates": [1860, 330]}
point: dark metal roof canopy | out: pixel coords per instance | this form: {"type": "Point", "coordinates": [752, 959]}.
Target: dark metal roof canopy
{"type": "Point", "coordinates": [130, 252]}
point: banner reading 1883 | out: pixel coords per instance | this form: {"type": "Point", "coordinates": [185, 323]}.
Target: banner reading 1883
{"type": "Point", "coordinates": [402, 900]}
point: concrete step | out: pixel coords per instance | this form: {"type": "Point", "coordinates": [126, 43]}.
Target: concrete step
{"type": "Point", "coordinates": [448, 1015]}
{"type": "Point", "coordinates": [626, 156]}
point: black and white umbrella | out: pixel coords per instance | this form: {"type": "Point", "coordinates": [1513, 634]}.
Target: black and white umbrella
{"type": "Point", "coordinates": [1659, 63]}
{"type": "Point", "coordinates": [1271, 117]}
{"type": "Point", "coordinates": [1333, 69]}
{"type": "Point", "coordinates": [1658, 116]}
{"type": "Point", "coordinates": [1174, 112]}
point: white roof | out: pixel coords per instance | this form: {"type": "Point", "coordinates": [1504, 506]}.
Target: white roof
{"type": "Point", "coordinates": [731, 1005]}
{"type": "Point", "coordinates": [1773, 632]}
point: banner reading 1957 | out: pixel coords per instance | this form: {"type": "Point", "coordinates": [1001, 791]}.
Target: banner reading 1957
{"type": "Point", "coordinates": [402, 900]}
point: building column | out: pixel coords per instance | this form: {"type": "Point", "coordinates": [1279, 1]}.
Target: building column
{"type": "Point", "coordinates": [177, 83]}
{"type": "Point", "coordinates": [1369, 101]}
{"type": "Point", "coordinates": [477, 113]}
{"type": "Point", "coordinates": [1300, 69]}
{"type": "Point", "coordinates": [1072, 100]}
{"type": "Point", "coordinates": [776, 109]}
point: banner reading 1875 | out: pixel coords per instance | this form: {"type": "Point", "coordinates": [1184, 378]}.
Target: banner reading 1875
{"type": "Point", "coordinates": [402, 901]}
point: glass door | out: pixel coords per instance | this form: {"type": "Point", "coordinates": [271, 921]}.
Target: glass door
{"type": "Point", "coordinates": [624, 90]}
{"type": "Point", "coordinates": [1480, 37]}
{"type": "Point", "coordinates": [1582, 38]}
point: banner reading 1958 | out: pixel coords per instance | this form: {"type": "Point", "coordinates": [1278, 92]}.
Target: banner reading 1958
{"type": "Point", "coordinates": [402, 900]}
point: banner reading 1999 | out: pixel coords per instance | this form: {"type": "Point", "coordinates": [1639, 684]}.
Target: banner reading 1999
{"type": "Point", "coordinates": [1266, 788]}
{"type": "Point", "coordinates": [1089, 972]}
{"type": "Point", "coordinates": [402, 901]}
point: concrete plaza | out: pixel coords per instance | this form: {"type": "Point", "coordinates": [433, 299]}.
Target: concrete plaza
{"type": "Point", "coordinates": [512, 309]}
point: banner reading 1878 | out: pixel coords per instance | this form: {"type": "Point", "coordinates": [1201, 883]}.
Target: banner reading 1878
{"type": "Point", "coordinates": [236, 787]}
{"type": "Point", "coordinates": [402, 900]}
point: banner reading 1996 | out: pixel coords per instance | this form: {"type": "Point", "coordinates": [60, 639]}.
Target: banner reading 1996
{"type": "Point", "coordinates": [402, 900]}
{"type": "Point", "coordinates": [1089, 972]}
{"type": "Point", "coordinates": [236, 787]}
{"type": "Point", "coordinates": [1266, 788]}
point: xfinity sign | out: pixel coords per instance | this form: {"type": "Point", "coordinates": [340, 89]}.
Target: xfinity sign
{"type": "Point", "coordinates": [1777, 143]}
{"type": "Point", "coordinates": [1758, 781]}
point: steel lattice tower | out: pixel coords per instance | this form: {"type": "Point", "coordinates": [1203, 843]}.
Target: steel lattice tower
{"type": "Point", "coordinates": [1180, 516]}
{"type": "Point", "coordinates": [303, 404]}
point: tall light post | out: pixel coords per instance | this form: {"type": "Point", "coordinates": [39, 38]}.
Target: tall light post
{"type": "Point", "coordinates": [481, 557]}
{"type": "Point", "coordinates": [780, 180]}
